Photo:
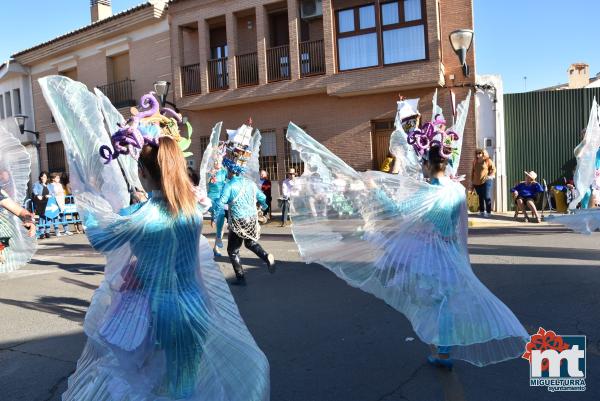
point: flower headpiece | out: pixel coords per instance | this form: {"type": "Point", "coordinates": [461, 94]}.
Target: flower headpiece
{"type": "Point", "coordinates": [237, 148]}
{"type": "Point", "coordinates": [430, 135]}
{"type": "Point", "coordinates": [145, 127]}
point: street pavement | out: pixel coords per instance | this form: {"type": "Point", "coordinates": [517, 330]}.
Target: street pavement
{"type": "Point", "coordinates": [325, 341]}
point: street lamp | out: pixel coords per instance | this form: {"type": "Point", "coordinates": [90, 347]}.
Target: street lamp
{"type": "Point", "coordinates": [461, 41]}
{"type": "Point", "coordinates": [161, 88]}
{"type": "Point", "coordinates": [21, 118]}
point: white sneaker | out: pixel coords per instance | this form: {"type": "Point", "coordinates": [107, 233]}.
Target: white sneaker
{"type": "Point", "coordinates": [59, 234]}
{"type": "Point", "coordinates": [487, 214]}
{"type": "Point", "coordinates": [481, 214]}
{"type": "Point", "coordinates": [219, 243]}
{"type": "Point", "coordinates": [67, 233]}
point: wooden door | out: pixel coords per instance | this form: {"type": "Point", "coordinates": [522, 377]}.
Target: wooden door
{"type": "Point", "coordinates": [381, 132]}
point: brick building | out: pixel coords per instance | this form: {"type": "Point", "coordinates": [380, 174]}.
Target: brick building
{"type": "Point", "coordinates": [334, 67]}
{"type": "Point", "coordinates": [122, 54]}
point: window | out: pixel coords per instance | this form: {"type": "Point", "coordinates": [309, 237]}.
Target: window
{"type": "Point", "coordinates": [7, 104]}
{"type": "Point", "coordinates": [204, 141]}
{"type": "Point", "coordinates": [17, 99]}
{"type": "Point", "coordinates": [366, 38]}
{"type": "Point", "coordinates": [1, 107]}
{"type": "Point", "coordinates": [268, 154]}
{"type": "Point", "coordinates": [292, 157]}
{"type": "Point", "coordinates": [56, 157]}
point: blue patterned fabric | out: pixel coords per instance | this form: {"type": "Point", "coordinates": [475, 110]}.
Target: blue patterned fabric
{"type": "Point", "coordinates": [241, 195]}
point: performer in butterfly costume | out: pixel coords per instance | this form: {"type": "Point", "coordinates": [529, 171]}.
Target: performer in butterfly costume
{"type": "Point", "coordinates": [585, 220]}
{"type": "Point", "coordinates": [406, 243]}
{"type": "Point", "coordinates": [163, 324]}
{"type": "Point", "coordinates": [213, 175]}
{"type": "Point", "coordinates": [241, 194]}
{"type": "Point", "coordinates": [17, 230]}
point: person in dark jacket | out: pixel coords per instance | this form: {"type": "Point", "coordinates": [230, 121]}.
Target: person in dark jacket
{"type": "Point", "coordinates": [265, 186]}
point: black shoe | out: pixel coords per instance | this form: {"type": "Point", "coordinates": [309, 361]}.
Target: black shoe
{"type": "Point", "coordinates": [271, 263]}
{"type": "Point", "coordinates": [239, 280]}
{"type": "Point", "coordinates": [47, 235]}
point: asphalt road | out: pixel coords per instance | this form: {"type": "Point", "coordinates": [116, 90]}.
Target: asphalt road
{"type": "Point", "coordinates": [325, 340]}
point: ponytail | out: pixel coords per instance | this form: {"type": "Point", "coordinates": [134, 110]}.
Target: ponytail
{"type": "Point", "coordinates": [166, 165]}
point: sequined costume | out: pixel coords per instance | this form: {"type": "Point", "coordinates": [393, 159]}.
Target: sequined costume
{"type": "Point", "coordinates": [406, 243]}
{"type": "Point", "coordinates": [163, 324]}
{"type": "Point", "coordinates": [16, 247]}
{"type": "Point", "coordinates": [216, 183]}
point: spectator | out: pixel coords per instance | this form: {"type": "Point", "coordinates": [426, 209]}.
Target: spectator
{"type": "Point", "coordinates": [287, 187]}
{"type": "Point", "coordinates": [41, 194]}
{"type": "Point", "coordinates": [388, 163]}
{"type": "Point", "coordinates": [57, 191]}
{"type": "Point", "coordinates": [265, 186]}
{"type": "Point", "coordinates": [483, 173]}
{"type": "Point", "coordinates": [193, 176]}
{"type": "Point", "coordinates": [64, 179]}
{"type": "Point", "coordinates": [525, 193]}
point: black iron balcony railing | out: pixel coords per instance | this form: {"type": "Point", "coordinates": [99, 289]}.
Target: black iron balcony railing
{"type": "Point", "coordinates": [120, 93]}
{"type": "Point", "coordinates": [278, 63]}
{"type": "Point", "coordinates": [312, 58]}
{"type": "Point", "coordinates": [218, 77]}
{"type": "Point", "coordinates": [190, 79]}
{"type": "Point", "coordinates": [247, 69]}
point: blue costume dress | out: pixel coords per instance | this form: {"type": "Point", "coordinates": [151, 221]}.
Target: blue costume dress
{"type": "Point", "coordinates": [163, 324]}
{"type": "Point", "coordinates": [406, 243]}
{"type": "Point", "coordinates": [215, 186]}
{"type": "Point", "coordinates": [15, 164]}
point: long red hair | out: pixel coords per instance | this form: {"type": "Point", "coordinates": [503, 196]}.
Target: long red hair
{"type": "Point", "coordinates": [167, 166]}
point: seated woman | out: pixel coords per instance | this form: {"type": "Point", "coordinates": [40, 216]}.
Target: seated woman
{"type": "Point", "coordinates": [525, 193]}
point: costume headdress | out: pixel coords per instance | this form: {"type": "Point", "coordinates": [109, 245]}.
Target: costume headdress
{"type": "Point", "coordinates": [430, 135]}
{"type": "Point", "coordinates": [408, 114]}
{"type": "Point", "coordinates": [145, 127]}
{"type": "Point", "coordinates": [237, 149]}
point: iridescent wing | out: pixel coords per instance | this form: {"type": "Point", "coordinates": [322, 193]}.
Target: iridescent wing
{"type": "Point", "coordinates": [253, 166]}
{"type": "Point", "coordinates": [15, 167]}
{"type": "Point", "coordinates": [208, 156]}
{"type": "Point", "coordinates": [78, 114]}
{"type": "Point", "coordinates": [404, 241]}
{"type": "Point", "coordinates": [462, 112]}
{"type": "Point", "coordinates": [435, 110]}
{"type": "Point", "coordinates": [585, 154]}
{"type": "Point", "coordinates": [407, 162]}
{"type": "Point", "coordinates": [113, 120]}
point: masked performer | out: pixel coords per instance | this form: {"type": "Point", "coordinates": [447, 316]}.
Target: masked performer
{"type": "Point", "coordinates": [217, 176]}
{"type": "Point", "coordinates": [17, 230]}
{"type": "Point", "coordinates": [163, 324]}
{"type": "Point", "coordinates": [241, 194]}
{"type": "Point", "coordinates": [406, 243]}
{"type": "Point", "coordinates": [585, 220]}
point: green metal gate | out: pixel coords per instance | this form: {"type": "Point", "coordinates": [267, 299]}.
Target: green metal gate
{"type": "Point", "coordinates": [542, 129]}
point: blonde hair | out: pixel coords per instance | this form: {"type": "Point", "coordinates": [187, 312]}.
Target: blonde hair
{"type": "Point", "coordinates": [167, 166]}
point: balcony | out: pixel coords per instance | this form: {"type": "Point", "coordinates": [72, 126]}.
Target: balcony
{"type": "Point", "coordinates": [218, 76]}
{"type": "Point", "coordinates": [247, 69]}
{"type": "Point", "coordinates": [312, 58]}
{"type": "Point", "coordinates": [190, 79]}
{"type": "Point", "coordinates": [120, 93]}
{"type": "Point", "coordinates": [278, 63]}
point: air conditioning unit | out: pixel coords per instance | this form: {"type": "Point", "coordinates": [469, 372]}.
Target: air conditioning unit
{"type": "Point", "coordinates": [311, 9]}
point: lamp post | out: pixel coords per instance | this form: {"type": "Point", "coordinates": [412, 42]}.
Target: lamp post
{"type": "Point", "coordinates": [461, 41]}
{"type": "Point", "coordinates": [161, 88]}
{"type": "Point", "coordinates": [21, 118]}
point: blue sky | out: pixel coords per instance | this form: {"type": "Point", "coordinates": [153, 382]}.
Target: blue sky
{"type": "Point", "coordinates": [538, 39]}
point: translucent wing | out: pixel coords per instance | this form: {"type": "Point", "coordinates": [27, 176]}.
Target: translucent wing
{"type": "Point", "coordinates": [404, 241]}
{"type": "Point", "coordinates": [586, 156]}
{"type": "Point", "coordinates": [253, 166]}
{"type": "Point", "coordinates": [584, 221]}
{"type": "Point", "coordinates": [407, 162]}
{"type": "Point", "coordinates": [15, 167]}
{"type": "Point", "coordinates": [208, 156]}
{"type": "Point", "coordinates": [462, 112]}
{"type": "Point", "coordinates": [97, 186]}
{"type": "Point", "coordinates": [114, 120]}
{"type": "Point", "coordinates": [435, 110]}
